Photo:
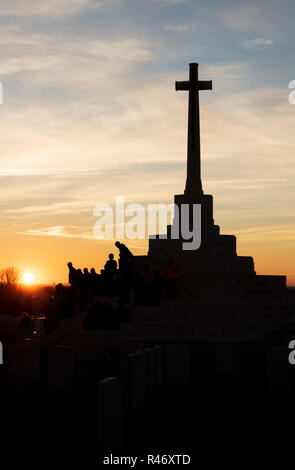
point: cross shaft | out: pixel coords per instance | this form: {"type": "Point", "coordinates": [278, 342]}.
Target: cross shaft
{"type": "Point", "coordinates": [193, 86]}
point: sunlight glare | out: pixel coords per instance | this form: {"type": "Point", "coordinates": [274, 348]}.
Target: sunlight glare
{"type": "Point", "coordinates": [29, 278]}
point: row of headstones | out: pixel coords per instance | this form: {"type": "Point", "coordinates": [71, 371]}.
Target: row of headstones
{"type": "Point", "coordinates": [143, 371]}
{"type": "Point", "coordinates": [118, 398]}
{"type": "Point", "coordinates": [22, 368]}
{"type": "Point", "coordinates": [279, 373]}
{"type": "Point", "coordinates": [142, 368]}
{"type": "Point", "coordinates": [22, 360]}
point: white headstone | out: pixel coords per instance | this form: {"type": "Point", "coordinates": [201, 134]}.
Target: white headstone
{"type": "Point", "coordinates": [18, 369]}
{"type": "Point", "coordinates": [141, 377]}
{"type": "Point", "coordinates": [158, 365]}
{"type": "Point", "coordinates": [279, 370]}
{"type": "Point", "coordinates": [127, 348]}
{"type": "Point", "coordinates": [150, 371]}
{"type": "Point", "coordinates": [34, 348]}
{"type": "Point", "coordinates": [110, 431]}
{"type": "Point", "coordinates": [60, 370]}
{"type": "Point", "coordinates": [131, 384]}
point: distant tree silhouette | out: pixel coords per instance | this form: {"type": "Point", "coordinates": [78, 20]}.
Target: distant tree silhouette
{"type": "Point", "coordinates": [9, 276]}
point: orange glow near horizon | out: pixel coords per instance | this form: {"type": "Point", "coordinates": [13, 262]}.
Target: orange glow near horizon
{"type": "Point", "coordinates": [49, 263]}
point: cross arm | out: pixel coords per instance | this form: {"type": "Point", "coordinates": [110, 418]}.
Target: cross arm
{"type": "Point", "coordinates": [199, 85]}
{"type": "Point", "coordinates": [205, 85]}
{"type": "Point", "coordinates": [182, 86]}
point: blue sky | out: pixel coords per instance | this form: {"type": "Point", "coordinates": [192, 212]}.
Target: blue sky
{"type": "Point", "coordinates": [90, 112]}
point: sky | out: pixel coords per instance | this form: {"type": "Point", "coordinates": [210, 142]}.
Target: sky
{"type": "Point", "coordinates": [90, 112]}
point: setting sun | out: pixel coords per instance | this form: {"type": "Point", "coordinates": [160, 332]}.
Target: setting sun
{"type": "Point", "coordinates": [28, 278]}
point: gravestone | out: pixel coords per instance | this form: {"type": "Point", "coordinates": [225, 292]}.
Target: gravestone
{"type": "Point", "coordinates": [176, 365]}
{"type": "Point", "coordinates": [142, 377]}
{"type": "Point", "coordinates": [127, 348]}
{"type": "Point", "coordinates": [110, 424]}
{"type": "Point", "coordinates": [34, 348]}
{"type": "Point", "coordinates": [60, 370]}
{"type": "Point", "coordinates": [19, 375]}
{"type": "Point", "coordinates": [150, 371]}
{"type": "Point", "coordinates": [137, 382]}
{"type": "Point", "coordinates": [131, 384]}
{"type": "Point", "coordinates": [158, 365]}
{"type": "Point", "coordinates": [89, 346]}
{"type": "Point", "coordinates": [279, 370]}
{"type": "Point", "coordinates": [227, 367]}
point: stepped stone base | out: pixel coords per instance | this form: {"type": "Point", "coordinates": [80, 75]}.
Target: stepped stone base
{"type": "Point", "coordinates": [219, 291]}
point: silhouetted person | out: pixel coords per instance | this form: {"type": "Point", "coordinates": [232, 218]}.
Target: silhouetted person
{"type": "Point", "coordinates": [72, 275]}
{"type": "Point", "coordinates": [109, 272]}
{"type": "Point", "coordinates": [60, 302]}
{"type": "Point", "coordinates": [86, 285]}
{"type": "Point", "coordinates": [79, 278]}
{"type": "Point", "coordinates": [94, 277]}
{"type": "Point", "coordinates": [125, 257]}
{"type": "Point", "coordinates": [148, 278]}
{"type": "Point", "coordinates": [93, 274]}
{"type": "Point", "coordinates": [86, 275]}
{"type": "Point", "coordinates": [80, 287]}
{"type": "Point", "coordinates": [26, 321]}
{"type": "Point", "coordinates": [157, 287]}
{"type": "Point", "coordinates": [171, 274]}
{"type": "Point", "coordinates": [94, 281]}
{"type": "Point", "coordinates": [111, 265]}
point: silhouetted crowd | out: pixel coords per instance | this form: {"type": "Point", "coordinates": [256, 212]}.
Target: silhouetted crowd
{"type": "Point", "coordinates": [90, 291]}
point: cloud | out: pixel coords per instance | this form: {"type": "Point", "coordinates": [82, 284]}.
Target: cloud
{"type": "Point", "coordinates": [52, 8]}
{"type": "Point", "coordinates": [54, 208]}
{"type": "Point", "coordinates": [57, 231]}
{"type": "Point", "coordinates": [257, 43]}
{"type": "Point", "coordinates": [182, 28]}
{"type": "Point", "coordinates": [267, 233]}
{"type": "Point", "coordinates": [43, 53]}
{"type": "Point", "coordinates": [245, 18]}
{"type": "Point", "coordinates": [170, 2]}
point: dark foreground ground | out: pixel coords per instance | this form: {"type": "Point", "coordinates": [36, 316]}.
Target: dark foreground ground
{"type": "Point", "coordinates": [241, 426]}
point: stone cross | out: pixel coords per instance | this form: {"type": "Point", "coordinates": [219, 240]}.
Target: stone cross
{"type": "Point", "coordinates": [193, 86]}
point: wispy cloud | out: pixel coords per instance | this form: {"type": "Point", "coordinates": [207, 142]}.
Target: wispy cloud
{"type": "Point", "coordinates": [244, 18]}
{"type": "Point", "coordinates": [46, 8]}
{"type": "Point", "coordinates": [43, 53]}
{"type": "Point", "coordinates": [267, 233]}
{"type": "Point", "coordinates": [57, 231]}
{"type": "Point", "coordinates": [257, 43]}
